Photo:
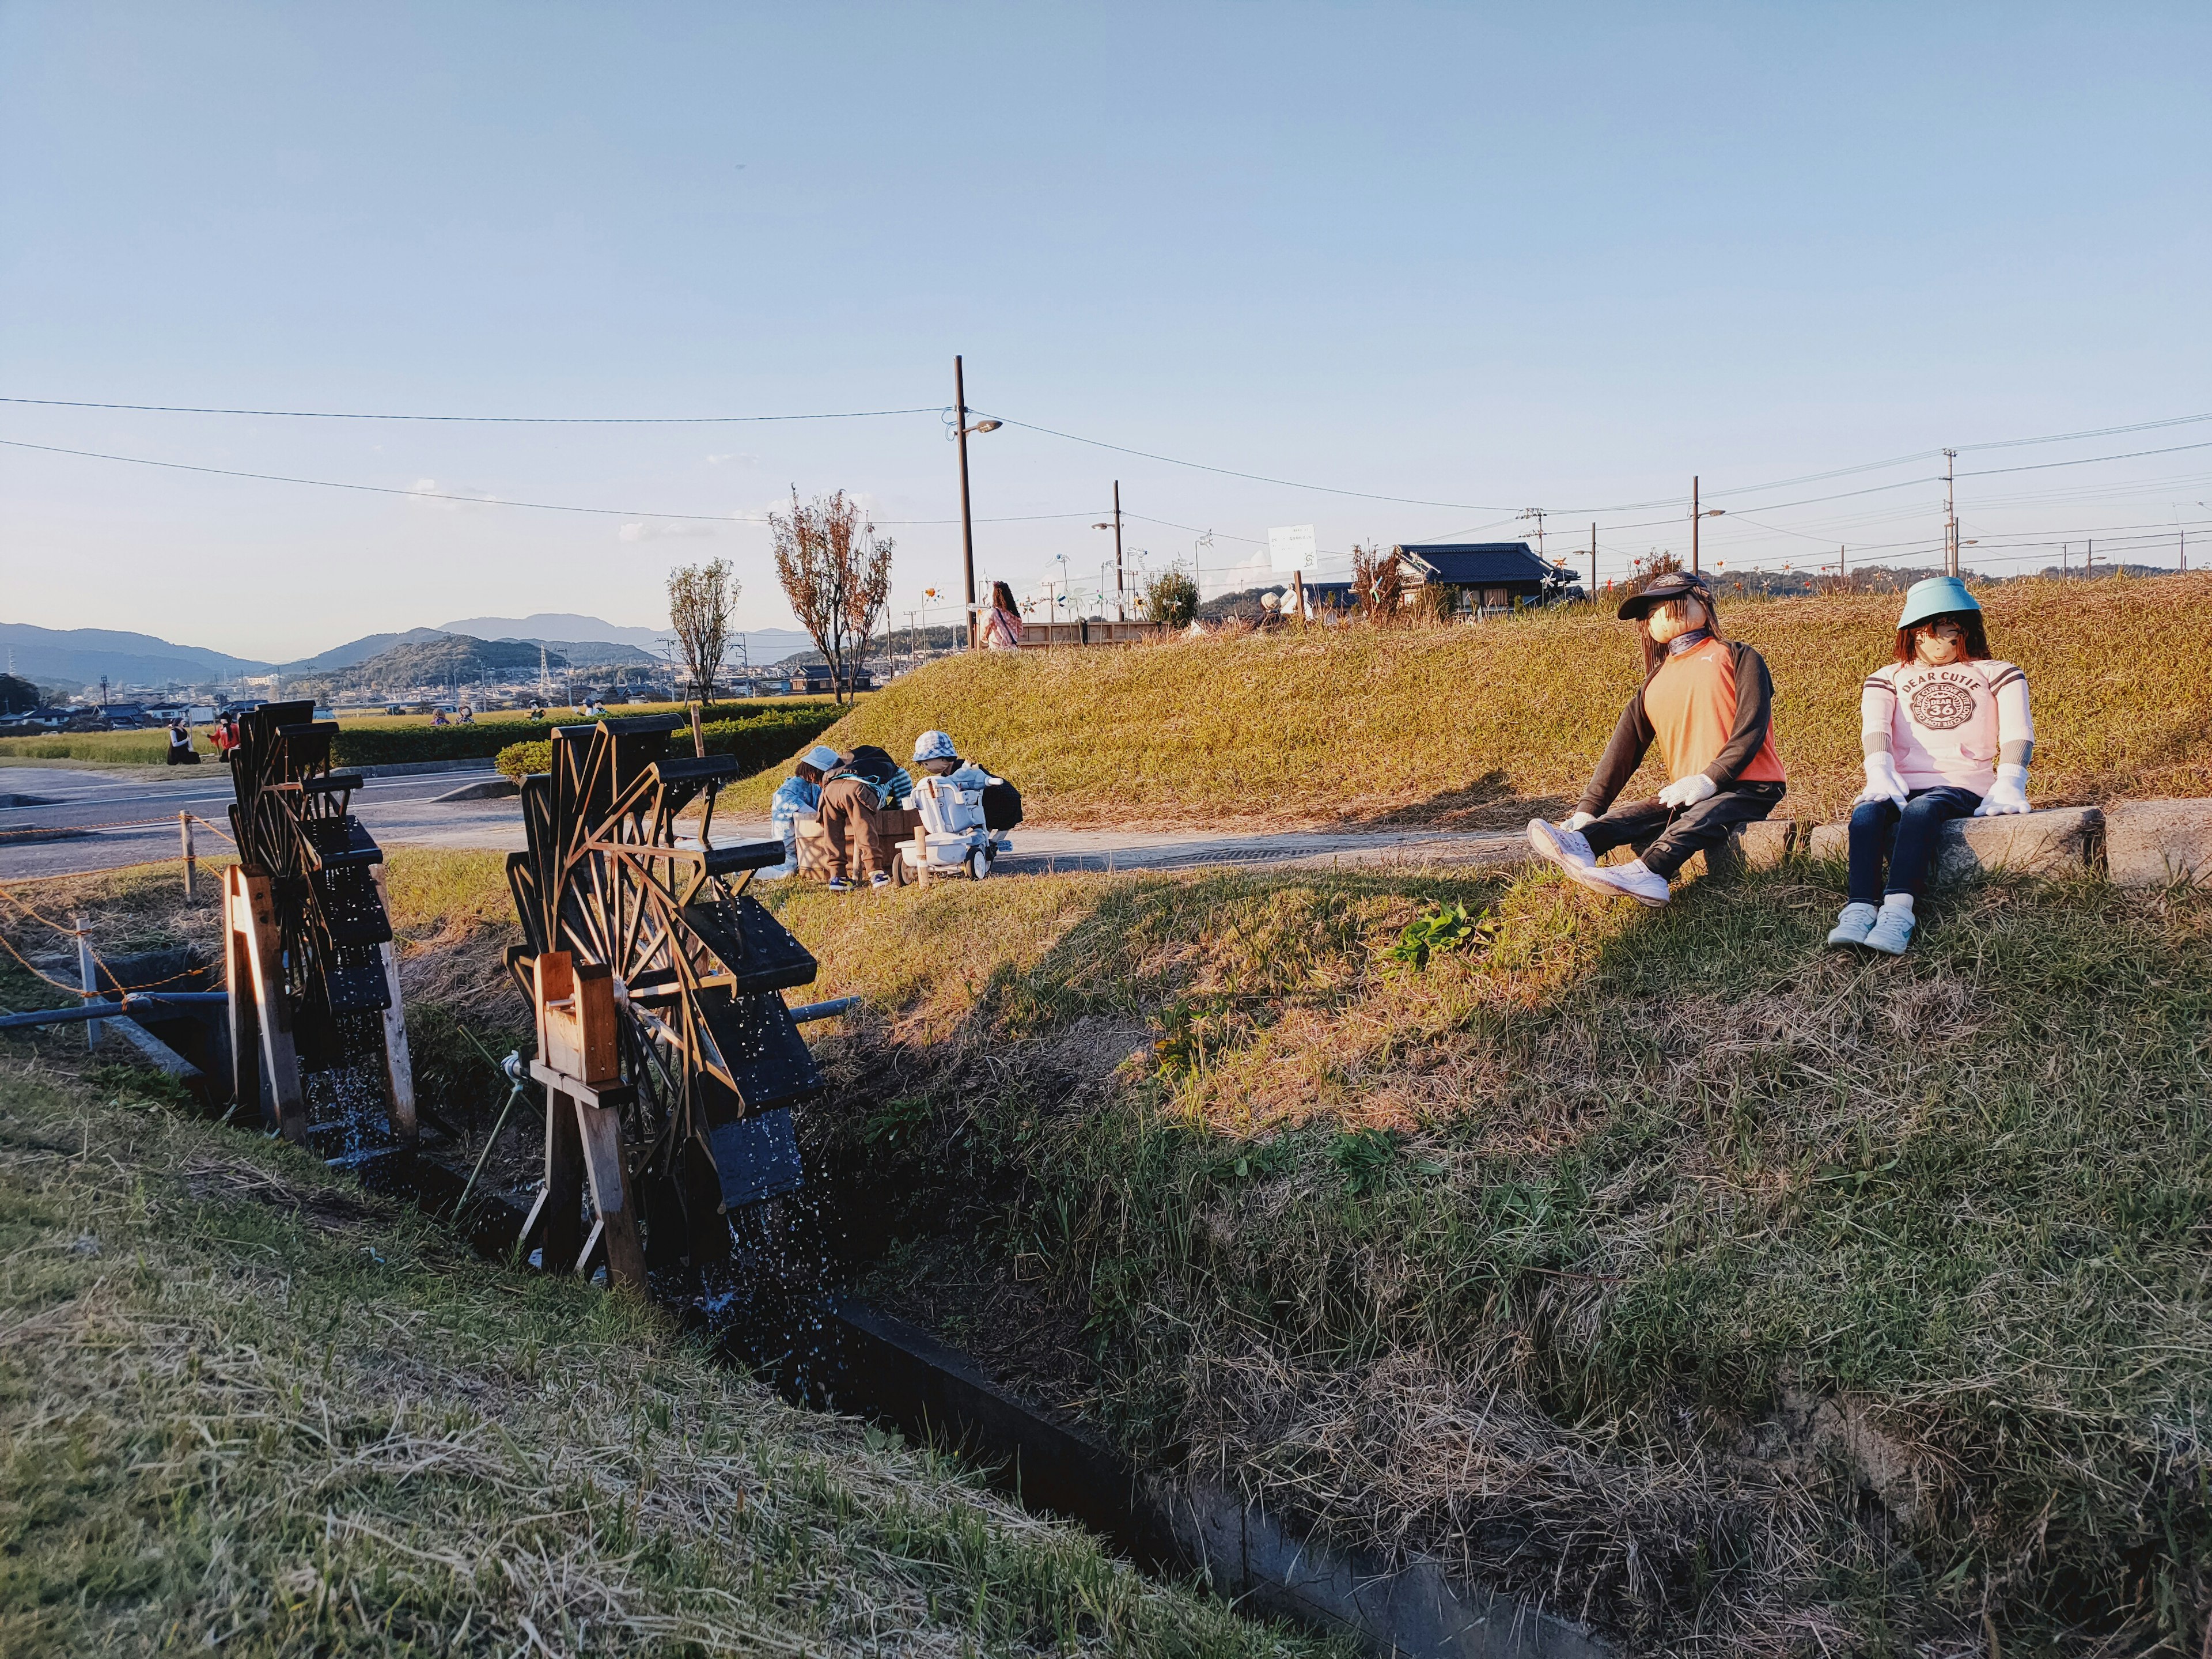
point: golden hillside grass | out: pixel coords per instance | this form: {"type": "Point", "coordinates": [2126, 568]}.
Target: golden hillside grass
{"type": "Point", "coordinates": [1481, 726]}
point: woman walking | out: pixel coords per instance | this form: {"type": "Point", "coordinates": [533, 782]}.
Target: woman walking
{"type": "Point", "coordinates": [1002, 623]}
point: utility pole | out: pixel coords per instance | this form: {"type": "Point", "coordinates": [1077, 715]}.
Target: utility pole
{"type": "Point", "coordinates": [1121, 599]}
{"type": "Point", "coordinates": [2089, 564]}
{"type": "Point", "coordinates": [1537, 513]}
{"type": "Point", "coordinates": [967, 522]}
{"type": "Point", "coordinates": [1593, 558]}
{"type": "Point", "coordinates": [1840, 552]}
{"type": "Point", "coordinates": [1950, 513]}
{"type": "Point", "coordinates": [1695, 517]}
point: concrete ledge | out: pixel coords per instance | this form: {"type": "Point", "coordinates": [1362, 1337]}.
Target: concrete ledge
{"type": "Point", "coordinates": [500, 788]}
{"type": "Point", "coordinates": [2152, 843]}
{"type": "Point", "coordinates": [2062, 840]}
{"type": "Point", "coordinates": [415, 769]}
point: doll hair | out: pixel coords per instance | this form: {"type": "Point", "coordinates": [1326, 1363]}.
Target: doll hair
{"type": "Point", "coordinates": [1977, 640]}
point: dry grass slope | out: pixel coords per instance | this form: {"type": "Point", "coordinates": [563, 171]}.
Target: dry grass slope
{"type": "Point", "coordinates": [1482, 725]}
{"type": "Point", "coordinates": [244, 1407]}
{"type": "Point", "coordinates": [1667, 1265]}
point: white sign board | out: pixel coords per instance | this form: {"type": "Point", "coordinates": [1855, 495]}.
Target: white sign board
{"type": "Point", "coordinates": [1291, 548]}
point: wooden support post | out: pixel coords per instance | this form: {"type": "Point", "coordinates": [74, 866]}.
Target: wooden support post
{"type": "Point", "coordinates": [557, 1218]}
{"type": "Point", "coordinates": [399, 1066]}
{"type": "Point", "coordinates": [238, 980]}
{"type": "Point", "coordinates": [600, 1130]}
{"type": "Point", "coordinates": [88, 974]}
{"type": "Point", "coordinates": [265, 950]}
{"type": "Point", "coordinates": [185, 839]}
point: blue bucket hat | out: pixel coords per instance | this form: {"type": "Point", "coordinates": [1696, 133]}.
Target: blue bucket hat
{"type": "Point", "coordinates": [1938, 596]}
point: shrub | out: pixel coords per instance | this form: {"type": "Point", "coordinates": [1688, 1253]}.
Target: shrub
{"type": "Point", "coordinates": [758, 739]}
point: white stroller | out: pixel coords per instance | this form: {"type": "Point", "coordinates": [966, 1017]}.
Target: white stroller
{"type": "Point", "coordinates": [953, 839]}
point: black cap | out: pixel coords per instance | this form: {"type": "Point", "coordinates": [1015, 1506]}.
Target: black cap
{"type": "Point", "coordinates": [1674, 585]}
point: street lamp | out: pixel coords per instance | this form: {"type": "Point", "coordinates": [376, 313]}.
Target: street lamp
{"type": "Point", "coordinates": [1120, 589]}
{"type": "Point", "coordinates": [960, 431]}
{"type": "Point", "coordinates": [1695, 518]}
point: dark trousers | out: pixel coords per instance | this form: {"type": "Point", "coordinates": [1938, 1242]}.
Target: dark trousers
{"type": "Point", "coordinates": [1913, 826]}
{"type": "Point", "coordinates": [1664, 836]}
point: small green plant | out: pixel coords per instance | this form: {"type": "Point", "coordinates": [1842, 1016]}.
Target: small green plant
{"type": "Point", "coordinates": [899, 1122]}
{"type": "Point", "coordinates": [1447, 928]}
{"type": "Point", "coordinates": [1364, 1158]}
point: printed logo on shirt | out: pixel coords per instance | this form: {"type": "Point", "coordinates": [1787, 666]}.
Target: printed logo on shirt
{"type": "Point", "coordinates": [1942, 702]}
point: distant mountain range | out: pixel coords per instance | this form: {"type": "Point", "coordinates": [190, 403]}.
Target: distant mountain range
{"type": "Point", "coordinates": [79, 656]}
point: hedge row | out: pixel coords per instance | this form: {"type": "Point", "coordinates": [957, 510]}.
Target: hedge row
{"type": "Point", "coordinates": [760, 741]}
{"type": "Point", "coordinates": [387, 746]}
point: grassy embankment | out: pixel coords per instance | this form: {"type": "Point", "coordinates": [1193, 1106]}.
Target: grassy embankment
{"type": "Point", "coordinates": [1664, 1265]}
{"type": "Point", "coordinates": [1484, 726]}
{"type": "Point", "coordinates": [374, 738]}
{"type": "Point", "coordinates": [243, 1408]}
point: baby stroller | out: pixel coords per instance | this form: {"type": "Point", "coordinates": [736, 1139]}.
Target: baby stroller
{"type": "Point", "coordinates": [953, 839]}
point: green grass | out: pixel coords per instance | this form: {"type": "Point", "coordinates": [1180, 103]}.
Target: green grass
{"type": "Point", "coordinates": [375, 739]}
{"type": "Point", "coordinates": [244, 1407]}
{"type": "Point", "coordinates": [1484, 725]}
{"type": "Point", "coordinates": [1663, 1264]}
{"type": "Point", "coordinates": [1728, 1282]}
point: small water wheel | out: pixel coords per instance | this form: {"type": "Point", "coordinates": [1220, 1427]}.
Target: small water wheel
{"type": "Point", "coordinates": [314, 986]}
{"type": "Point", "coordinates": [670, 1060]}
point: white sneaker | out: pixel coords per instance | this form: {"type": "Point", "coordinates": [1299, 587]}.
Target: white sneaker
{"type": "Point", "coordinates": [1852, 925]}
{"type": "Point", "coordinates": [1892, 931]}
{"type": "Point", "coordinates": [1565, 847]}
{"type": "Point", "coordinates": [1644, 886]}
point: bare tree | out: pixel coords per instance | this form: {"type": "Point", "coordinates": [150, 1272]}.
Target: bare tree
{"type": "Point", "coordinates": [699, 601]}
{"type": "Point", "coordinates": [837, 572]}
{"type": "Point", "coordinates": [1378, 585]}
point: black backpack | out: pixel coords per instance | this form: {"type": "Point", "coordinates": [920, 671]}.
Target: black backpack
{"type": "Point", "coordinates": [1002, 805]}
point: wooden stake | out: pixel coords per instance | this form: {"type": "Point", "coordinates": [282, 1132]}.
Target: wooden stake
{"type": "Point", "coordinates": [264, 946]}
{"type": "Point", "coordinates": [238, 980]}
{"type": "Point", "coordinates": [399, 1066]}
{"type": "Point", "coordinates": [185, 837]}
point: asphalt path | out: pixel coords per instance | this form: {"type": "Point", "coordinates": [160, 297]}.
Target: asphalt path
{"type": "Point", "coordinates": [404, 812]}
{"type": "Point", "coordinates": [105, 808]}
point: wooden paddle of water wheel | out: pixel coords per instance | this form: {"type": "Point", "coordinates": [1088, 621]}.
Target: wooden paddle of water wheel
{"type": "Point", "coordinates": [307, 957]}
{"type": "Point", "coordinates": [669, 1059]}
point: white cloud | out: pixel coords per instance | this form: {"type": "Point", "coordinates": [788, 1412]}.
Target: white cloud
{"type": "Point", "coordinates": [641, 531]}
{"type": "Point", "coordinates": [734, 458]}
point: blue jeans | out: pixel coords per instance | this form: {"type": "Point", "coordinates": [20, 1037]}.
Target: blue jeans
{"type": "Point", "coordinates": [1914, 825]}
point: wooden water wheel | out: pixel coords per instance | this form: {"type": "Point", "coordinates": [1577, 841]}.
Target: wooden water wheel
{"type": "Point", "coordinates": [314, 986]}
{"type": "Point", "coordinates": [670, 1060]}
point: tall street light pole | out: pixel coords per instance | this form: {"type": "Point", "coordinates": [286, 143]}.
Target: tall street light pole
{"type": "Point", "coordinates": [1696, 519]}
{"type": "Point", "coordinates": [961, 429]}
{"type": "Point", "coordinates": [1121, 601]}
{"type": "Point", "coordinates": [1950, 514]}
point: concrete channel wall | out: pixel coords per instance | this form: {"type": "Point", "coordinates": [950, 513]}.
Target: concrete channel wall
{"type": "Point", "coordinates": [2141, 843]}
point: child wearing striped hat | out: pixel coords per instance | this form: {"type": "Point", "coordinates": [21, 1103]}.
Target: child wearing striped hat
{"type": "Point", "coordinates": [1947, 733]}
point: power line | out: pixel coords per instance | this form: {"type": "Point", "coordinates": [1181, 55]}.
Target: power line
{"type": "Point", "coordinates": [476, 420]}
{"type": "Point", "coordinates": [478, 501]}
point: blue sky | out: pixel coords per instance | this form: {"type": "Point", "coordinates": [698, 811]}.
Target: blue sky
{"type": "Point", "coordinates": [1492, 257]}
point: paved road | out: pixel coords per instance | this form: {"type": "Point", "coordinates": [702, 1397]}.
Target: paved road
{"type": "Point", "coordinates": [403, 812]}
{"type": "Point", "coordinates": [398, 812]}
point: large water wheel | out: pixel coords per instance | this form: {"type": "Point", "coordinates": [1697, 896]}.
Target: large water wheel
{"type": "Point", "coordinates": [670, 1059]}
{"type": "Point", "coordinates": [314, 988]}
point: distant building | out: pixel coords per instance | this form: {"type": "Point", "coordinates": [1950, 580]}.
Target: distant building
{"type": "Point", "coordinates": [1484, 579]}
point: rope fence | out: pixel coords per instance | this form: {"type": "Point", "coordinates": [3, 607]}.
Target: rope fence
{"type": "Point", "coordinates": [90, 956]}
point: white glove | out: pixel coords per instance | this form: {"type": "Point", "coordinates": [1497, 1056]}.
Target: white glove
{"type": "Point", "coordinates": [1688, 792]}
{"type": "Point", "coordinates": [1580, 819]}
{"type": "Point", "coordinates": [1882, 781]}
{"type": "Point", "coordinates": [2007, 794]}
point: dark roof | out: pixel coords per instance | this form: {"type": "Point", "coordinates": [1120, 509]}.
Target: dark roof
{"type": "Point", "coordinates": [1476, 564]}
